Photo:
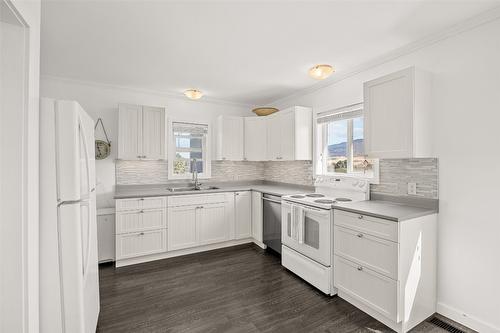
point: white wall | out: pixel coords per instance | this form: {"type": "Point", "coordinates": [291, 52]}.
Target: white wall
{"type": "Point", "coordinates": [102, 101]}
{"type": "Point", "coordinates": [466, 87]}
{"type": "Point", "coordinates": [19, 234]}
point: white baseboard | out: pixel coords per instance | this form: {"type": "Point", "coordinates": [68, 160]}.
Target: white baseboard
{"type": "Point", "coordinates": [259, 244]}
{"type": "Point", "coordinates": [177, 253]}
{"type": "Point", "coordinates": [466, 320]}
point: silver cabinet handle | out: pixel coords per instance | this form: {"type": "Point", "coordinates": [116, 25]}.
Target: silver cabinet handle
{"type": "Point", "coordinates": [142, 199]}
{"type": "Point", "coordinates": [360, 235]}
{"type": "Point", "coordinates": [143, 156]}
{"type": "Point", "coordinates": [141, 234]}
{"type": "Point", "coordinates": [141, 211]}
{"type": "Point", "coordinates": [360, 217]}
{"type": "Point", "coordinates": [360, 268]}
{"type": "Point", "coordinates": [139, 156]}
{"type": "Point", "coordinates": [199, 207]}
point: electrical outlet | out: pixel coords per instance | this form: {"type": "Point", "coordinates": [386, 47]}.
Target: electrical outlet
{"type": "Point", "coordinates": [412, 188]}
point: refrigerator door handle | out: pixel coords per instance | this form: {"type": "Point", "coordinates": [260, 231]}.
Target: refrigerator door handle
{"type": "Point", "coordinates": [85, 259]}
{"type": "Point", "coordinates": [87, 157]}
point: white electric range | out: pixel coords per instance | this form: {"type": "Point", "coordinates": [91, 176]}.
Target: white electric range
{"type": "Point", "coordinates": [307, 228]}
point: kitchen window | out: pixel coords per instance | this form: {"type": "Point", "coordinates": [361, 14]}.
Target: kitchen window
{"type": "Point", "coordinates": [188, 150]}
{"type": "Point", "coordinates": [340, 144]}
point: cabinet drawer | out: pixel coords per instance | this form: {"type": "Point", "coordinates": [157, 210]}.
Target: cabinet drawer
{"type": "Point", "coordinates": [368, 287]}
{"type": "Point", "coordinates": [367, 224]}
{"type": "Point", "coordinates": [140, 203]}
{"type": "Point", "coordinates": [140, 244]}
{"type": "Point", "coordinates": [198, 199]}
{"type": "Point", "coordinates": [140, 220]}
{"type": "Point", "coordinates": [372, 252]}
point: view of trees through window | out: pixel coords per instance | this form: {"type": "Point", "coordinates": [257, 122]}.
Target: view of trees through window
{"type": "Point", "coordinates": [188, 146]}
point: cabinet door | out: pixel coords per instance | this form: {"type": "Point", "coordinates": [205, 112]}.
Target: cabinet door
{"type": "Point", "coordinates": [129, 132]}
{"type": "Point", "coordinates": [212, 224]}
{"type": "Point", "coordinates": [243, 214]}
{"type": "Point", "coordinates": [140, 244]}
{"type": "Point", "coordinates": [153, 133]}
{"type": "Point", "coordinates": [287, 141]}
{"type": "Point", "coordinates": [230, 138]}
{"type": "Point", "coordinates": [256, 139]}
{"type": "Point", "coordinates": [257, 216]}
{"type": "Point", "coordinates": [181, 227]}
{"type": "Point", "coordinates": [273, 138]}
{"type": "Point", "coordinates": [388, 103]}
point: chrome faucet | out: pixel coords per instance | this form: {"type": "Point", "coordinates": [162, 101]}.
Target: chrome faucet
{"type": "Point", "coordinates": [194, 168]}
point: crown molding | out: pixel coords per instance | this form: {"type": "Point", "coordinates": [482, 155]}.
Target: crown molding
{"type": "Point", "coordinates": [466, 25]}
{"type": "Point", "coordinates": [169, 94]}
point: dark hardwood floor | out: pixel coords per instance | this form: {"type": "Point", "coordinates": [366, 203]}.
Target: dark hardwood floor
{"type": "Point", "coordinates": [239, 289]}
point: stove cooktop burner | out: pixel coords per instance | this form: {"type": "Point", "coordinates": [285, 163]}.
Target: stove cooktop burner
{"type": "Point", "coordinates": [324, 201]}
{"type": "Point", "coordinates": [315, 195]}
{"type": "Point", "coordinates": [298, 196]}
{"type": "Point", "coordinates": [343, 199]}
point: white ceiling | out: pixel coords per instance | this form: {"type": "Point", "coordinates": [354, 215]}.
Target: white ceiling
{"type": "Point", "coordinates": [242, 52]}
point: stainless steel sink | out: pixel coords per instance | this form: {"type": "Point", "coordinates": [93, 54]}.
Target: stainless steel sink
{"type": "Point", "coordinates": [191, 188]}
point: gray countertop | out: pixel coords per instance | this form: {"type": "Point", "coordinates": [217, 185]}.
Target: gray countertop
{"type": "Point", "coordinates": [279, 189]}
{"type": "Point", "coordinates": [388, 210]}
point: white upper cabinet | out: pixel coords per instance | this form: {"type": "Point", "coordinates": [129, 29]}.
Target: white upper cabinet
{"type": "Point", "coordinates": [289, 134]}
{"type": "Point", "coordinates": [230, 138]}
{"type": "Point", "coordinates": [398, 115]}
{"type": "Point", "coordinates": [141, 132]}
{"type": "Point", "coordinates": [255, 139]}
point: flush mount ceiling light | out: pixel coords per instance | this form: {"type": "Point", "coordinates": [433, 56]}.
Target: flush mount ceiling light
{"type": "Point", "coordinates": [321, 72]}
{"type": "Point", "coordinates": [193, 94]}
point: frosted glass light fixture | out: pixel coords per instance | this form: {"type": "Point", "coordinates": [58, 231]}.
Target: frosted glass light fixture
{"type": "Point", "coordinates": [321, 72]}
{"type": "Point", "coordinates": [193, 94]}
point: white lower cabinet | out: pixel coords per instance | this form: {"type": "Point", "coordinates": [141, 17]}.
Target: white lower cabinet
{"type": "Point", "coordinates": [182, 227]}
{"type": "Point", "coordinates": [243, 214]}
{"type": "Point", "coordinates": [386, 268]}
{"type": "Point", "coordinates": [140, 243]}
{"type": "Point", "coordinates": [257, 217]}
{"type": "Point", "coordinates": [200, 224]}
{"type": "Point", "coordinates": [140, 226]}
{"type": "Point", "coordinates": [213, 224]}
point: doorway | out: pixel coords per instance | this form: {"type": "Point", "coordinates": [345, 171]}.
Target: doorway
{"type": "Point", "coordinates": [13, 169]}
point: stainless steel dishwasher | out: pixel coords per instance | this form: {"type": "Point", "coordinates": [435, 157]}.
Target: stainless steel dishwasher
{"type": "Point", "coordinates": [272, 221]}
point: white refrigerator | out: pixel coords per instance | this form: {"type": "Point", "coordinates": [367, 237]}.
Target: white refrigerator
{"type": "Point", "coordinates": [69, 280]}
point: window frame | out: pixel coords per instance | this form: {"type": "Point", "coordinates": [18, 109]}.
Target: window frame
{"type": "Point", "coordinates": [205, 150]}
{"type": "Point", "coordinates": [321, 144]}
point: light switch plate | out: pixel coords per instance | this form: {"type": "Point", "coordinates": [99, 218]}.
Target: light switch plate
{"type": "Point", "coordinates": [412, 188]}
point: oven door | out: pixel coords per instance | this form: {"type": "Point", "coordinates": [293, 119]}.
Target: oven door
{"type": "Point", "coordinates": [307, 230]}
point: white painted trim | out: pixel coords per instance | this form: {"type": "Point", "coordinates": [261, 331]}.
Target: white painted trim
{"type": "Point", "coordinates": [170, 94]}
{"type": "Point", "coordinates": [259, 244]}
{"type": "Point", "coordinates": [469, 24]}
{"type": "Point", "coordinates": [177, 253]}
{"type": "Point", "coordinates": [466, 320]}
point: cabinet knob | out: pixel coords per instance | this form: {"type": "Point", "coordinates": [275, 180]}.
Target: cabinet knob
{"type": "Point", "coordinates": [143, 156]}
{"type": "Point", "coordinates": [360, 268]}
{"type": "Point", "coordinates": [360, 235]}
{"type": "Point", "coordinates": [139, 156]}
{"type": "Point", "coordinates": [141, 211]}
{"type": "Point", "coordinates": [360, 217]}
{"type": "Point", "coordinates": [142, 199]}
{"type": "Point", "coordinates": [141, 234]}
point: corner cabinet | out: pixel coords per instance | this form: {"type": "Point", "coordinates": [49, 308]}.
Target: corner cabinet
{"type": "Point", "coordinates": [255, 139]}
{"type": "Point", "coordinates": [141, 132]}
{"type": "Point", "coordinates": [387, 268]}
{"type": "Point", "coordinates": [230, 138]}
{"type": "Point", "coordinates": [289, 134]}
{"type": "Point", "coordinates": [398, 115]}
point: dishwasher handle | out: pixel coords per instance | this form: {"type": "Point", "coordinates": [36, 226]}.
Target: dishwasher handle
{"type": "Point", "coordinates": [271, 200]}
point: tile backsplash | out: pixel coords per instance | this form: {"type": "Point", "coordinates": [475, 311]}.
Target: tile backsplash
{"type": "Point", "coordinates": [394, 174]}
